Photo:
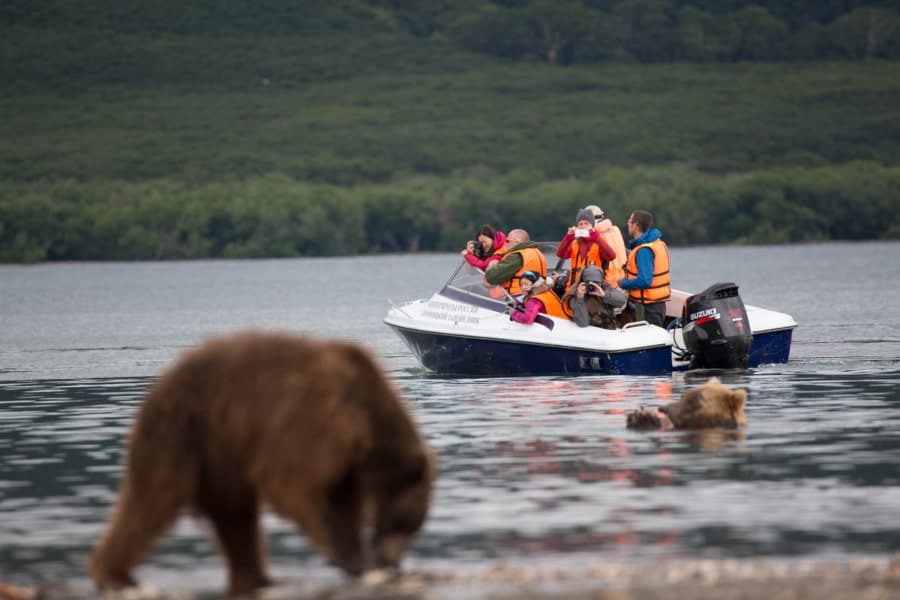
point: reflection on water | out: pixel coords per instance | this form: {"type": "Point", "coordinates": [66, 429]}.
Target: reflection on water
{"type": "Point", "coordinates": [531, 469]}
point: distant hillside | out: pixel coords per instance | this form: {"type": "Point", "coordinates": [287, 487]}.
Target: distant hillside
{"type": "Point", "coordinates": [86, 42]}
{"type": "Point", "coordinates": [379, 126]}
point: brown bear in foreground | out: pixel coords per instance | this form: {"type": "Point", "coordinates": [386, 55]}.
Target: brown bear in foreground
{"type": "Point", "coordinates": [312, 429]}
{"type": "Point", "coordinates": [711, 405]}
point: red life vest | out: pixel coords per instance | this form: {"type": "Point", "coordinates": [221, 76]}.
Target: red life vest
{"type": "Point", "coordinates": [577, 262]}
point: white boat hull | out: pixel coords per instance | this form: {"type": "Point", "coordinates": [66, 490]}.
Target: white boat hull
{"type": "Point", "coordinates": [462, 330]}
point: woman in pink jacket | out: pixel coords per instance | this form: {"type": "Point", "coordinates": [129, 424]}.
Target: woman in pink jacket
{"type": "Point", "coordinates": [488, 247]}
{"type": "Point", "coordinates": [537, 298]}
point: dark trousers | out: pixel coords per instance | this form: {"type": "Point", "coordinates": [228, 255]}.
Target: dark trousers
{"type": "Point", "coordinates": [654, 313]}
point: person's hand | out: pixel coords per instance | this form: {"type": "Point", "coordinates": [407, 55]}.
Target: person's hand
{"type": "Point", "coordinates": [597, 290]}
{"type": "Point", "coordinates": [580, 291]}
{"type": "Point", "coordinates": [470, 247]}
{"type": "Point", "coordinates": [464, 252]}
{"type": "Point", "coordinates": [572, 230]}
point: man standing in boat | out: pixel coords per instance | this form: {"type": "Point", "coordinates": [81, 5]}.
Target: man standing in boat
{"type": "Point", "coordinates": [523, 255]}
{"type": "Point", "coordinates": [647, 278]}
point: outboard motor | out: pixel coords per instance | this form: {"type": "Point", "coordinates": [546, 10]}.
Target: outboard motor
{"type": "Point", "coordinates": [716, 329]}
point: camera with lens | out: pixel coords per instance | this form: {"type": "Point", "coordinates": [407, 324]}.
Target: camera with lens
{"type": "Point", "coordinates": [560, 279]}
{"type": "Point", "coordinates": [593, 286]}
{"type": "Point", "coordinates": [478, 248]}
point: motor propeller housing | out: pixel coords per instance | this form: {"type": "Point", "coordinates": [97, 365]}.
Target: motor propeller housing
{"type": "Point", "coordinates": [716, 329]}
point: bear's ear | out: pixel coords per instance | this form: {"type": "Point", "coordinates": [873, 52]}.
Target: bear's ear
{"type": "Point", "coordinates": [713, 381]}
{"type": "Point", "coordinates": [736, 400]}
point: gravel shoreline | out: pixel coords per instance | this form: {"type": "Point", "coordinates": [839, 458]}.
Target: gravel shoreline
{"type": "Point", "coordinates": [750, 579]}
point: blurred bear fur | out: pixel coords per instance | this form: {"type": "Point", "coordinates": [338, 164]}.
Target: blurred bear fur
{"type": "Point", "coordinates": [711, 405]}
{"type": "Point", "coordinates": [313, 429]}
{"type": "Point", "coordinates": [15, 592]}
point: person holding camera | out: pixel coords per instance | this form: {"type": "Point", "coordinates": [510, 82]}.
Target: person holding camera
{"type": "Point", "coordinates": [523, 255]}
{"type": "Point", "coordinates": [488, 246]}
{"type": "Point", "coordinates": [594, 301]}
{"type": "Point", "coordinates": [583, 246]}
{"type": "Point", "coordinates": [537, 298]}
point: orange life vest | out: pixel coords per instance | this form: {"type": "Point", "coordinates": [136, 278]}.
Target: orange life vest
{"type": "Point", "coordinates": [660, 289]}
{"type": "Point", "coordinates": [552, 305]}
{"type": "Point", "coordinates": [567, 306]}
{"type": "Point", "coordinates": [496, 291]}
{"type": "Point", "coordinates": [532, 260]}
{"type": "Point", "coordinates": [577, 263]}
{"type": "Point", "coordinates": [612, 236]}
{"type": "Point", "coordinates": [499, 251]}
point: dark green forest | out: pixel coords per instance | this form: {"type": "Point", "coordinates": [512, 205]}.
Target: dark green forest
{"type": "Point", "coordinates": [162, 130]}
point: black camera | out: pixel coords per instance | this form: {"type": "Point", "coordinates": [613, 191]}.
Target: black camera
{"type": "Point", "coordinates": [560, 283]}
{"type": "Point", "coordinates": [593, 286]}
{"type": "Point", "coordinates": [478, 248]}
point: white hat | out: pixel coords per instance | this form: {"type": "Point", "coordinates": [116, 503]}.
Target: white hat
{"type": "Point", "coordinates": [598, 212]}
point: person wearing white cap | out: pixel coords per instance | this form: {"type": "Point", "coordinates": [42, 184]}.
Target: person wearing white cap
{"type": "Point", "coordinates": [612, 235]}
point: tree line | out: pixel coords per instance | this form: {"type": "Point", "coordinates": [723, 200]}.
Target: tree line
{"type": "Point", "coordinates": [652, 31]}
{"type": "Point", "coordinates": [91, 37]}
{"type": "Point", "coordinates": [276, 216]}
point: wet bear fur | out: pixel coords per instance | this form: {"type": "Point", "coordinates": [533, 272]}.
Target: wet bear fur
{"type": "Point", "coordinates": [711, 405]}
{"type": "Point", "coordinates": [311, 429]}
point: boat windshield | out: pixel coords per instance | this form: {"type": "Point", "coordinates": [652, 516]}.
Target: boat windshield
{"type": "Point", "coordinates": [467, 283]}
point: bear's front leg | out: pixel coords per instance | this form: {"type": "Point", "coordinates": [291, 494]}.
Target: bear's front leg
{"type": "Point", "coordinates": [402, 506]}
{"type": "Point", "coordinates": [329, 515]}
{"type": "Point", "coordinates": [343, 523]}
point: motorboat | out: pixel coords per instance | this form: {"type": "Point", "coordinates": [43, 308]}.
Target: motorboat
{"type": "Point", "coordinates": [464, 329]}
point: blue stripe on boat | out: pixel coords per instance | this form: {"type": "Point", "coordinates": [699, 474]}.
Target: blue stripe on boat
{"type": "Point", "coordinates": [469, 356]}
{"type": "Point", "coordinates": [770, 347]}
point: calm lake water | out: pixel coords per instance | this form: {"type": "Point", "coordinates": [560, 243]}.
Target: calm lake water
{"type": "Point", "coordinates": [537, 469]}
